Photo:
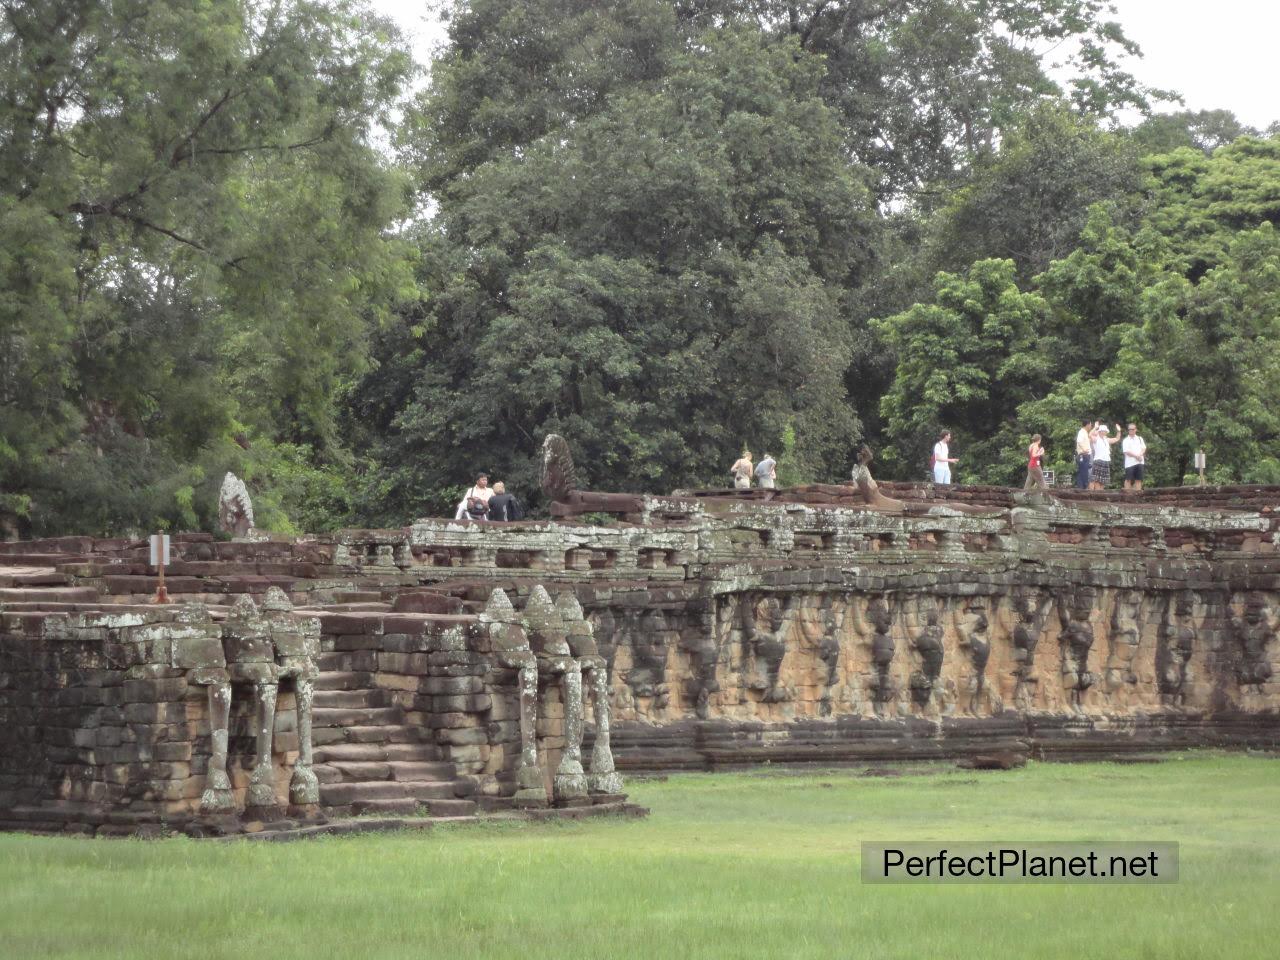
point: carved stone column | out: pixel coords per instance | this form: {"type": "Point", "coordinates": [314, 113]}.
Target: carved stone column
{"type": "Point", "coordinates": [603, 778]}
{"type": "Point", "coordinates": [511, 646]}
{"type": "Point", "coordinates": [251, 659]}
{"type": "Point", "coordinates": [217, 797]}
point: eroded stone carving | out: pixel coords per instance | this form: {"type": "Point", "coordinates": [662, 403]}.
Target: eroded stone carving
{"type": "Point", "coordinates": [1177, 643]}
{"type": "Point", "coordinates": [1253, 634]}
{"type": "Point", "coordinates": [766, 623]}
{"type": "Point", "coordinates": [1076, 640]}
{"type": "Point", "coordinates": [875, 628]}
{"type": "Point", "coordinates": [973, 628]}
{"type": "Point", "coordinates": [927, 644]}
{"type": "Point", "coordinates": [1126, 634]}
{"type": "Point", "coordinates": [1032, 610]}
{"type": "Point", "coordinates": [235, 508]}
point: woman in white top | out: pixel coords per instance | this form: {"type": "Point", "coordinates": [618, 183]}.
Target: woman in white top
{"type": "Point", "coordinates": [1100, 472]}
{"type": "Point", "coordinates": [942, 458]}
{"type": "Point", "coordinates": [742, 470]}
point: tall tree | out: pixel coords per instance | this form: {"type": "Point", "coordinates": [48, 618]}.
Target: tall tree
{"type": "Point", "coordinates": [191, 238]}
{"type": "Point", "coordinates": [658, 279]}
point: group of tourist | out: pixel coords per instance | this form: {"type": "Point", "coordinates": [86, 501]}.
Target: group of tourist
{"type": "Point", "coordinates": [1093, 456]}
{"type": "Point", "coordinates": [485, 503]}
{"type": "Point", "coordinates": [1093, 470]}
{"type": "Point", "coordinates": [765, 472]}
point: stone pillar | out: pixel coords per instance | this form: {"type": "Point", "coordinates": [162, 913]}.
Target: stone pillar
{"type": "Point", "coordinates": [262, 783]}
{"type": "Point", "coordinates": [304, 788]}
{"type": "Point", "coordinates": [603, 777]}
{"type": "Point", "coordinates": [511, 646]}
{"type": "Point", "coordinates": [217, 797]}
{"type": "Point", "coordinates": [571, 780]}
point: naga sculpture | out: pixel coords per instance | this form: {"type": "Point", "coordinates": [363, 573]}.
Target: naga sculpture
{"type": "Point", "coordinates": [235, 509]}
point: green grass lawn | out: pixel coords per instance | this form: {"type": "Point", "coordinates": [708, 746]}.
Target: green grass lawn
{"type": "Point", "coordinates": [730, 865]}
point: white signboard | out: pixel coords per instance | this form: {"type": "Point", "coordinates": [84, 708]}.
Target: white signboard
{"type": "Point", "coordinates": [159, 550]}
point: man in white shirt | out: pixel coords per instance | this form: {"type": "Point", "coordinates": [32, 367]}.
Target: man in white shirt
{"type": "Point", "coordinates": [1135, 458]}
{"type": "Point", "coordinates": [942, 459]}
{"type": "Point", "coordinates": [1084, 453]}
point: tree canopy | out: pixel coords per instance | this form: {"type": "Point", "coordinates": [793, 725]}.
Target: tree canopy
{"type": "Point", "coordinates": [254, 235]}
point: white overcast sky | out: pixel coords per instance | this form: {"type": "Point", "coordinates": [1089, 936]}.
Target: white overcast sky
{"type": "Point", "coordinates": [1216, 53]}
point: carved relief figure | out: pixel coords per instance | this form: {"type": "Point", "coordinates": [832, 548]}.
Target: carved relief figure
{"type": "Point", "coordinates": [1126, 632]}
{"type": "Point", "coordinates": [1032, 609]}
{"type": "Point", "coordinates": [767, 623]}
{"type": "Point", "coordinates": [1177, 642]}
{"type": "Point", "coordinates": [829, 654]}
{"type": "Point", "coordinates": [647, 638]}
{"type": "Point", "coordinates": [973, 627]}
{"type": "Point", "coordinates": [1076, 640]}
{"type": "Point", "coordinates": [928, 647]}
{"type": "Point", "coordinates": [875, 627]}
{"type": "Point", "coordinates": [1253, 634]}
{"type": "Point", "coordinates": [700, 643]}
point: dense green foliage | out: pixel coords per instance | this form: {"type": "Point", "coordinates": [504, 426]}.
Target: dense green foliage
{"type": "Point", "coordinates": [192, 246]}
{"type": "Point", "coordinates": [668, 229]}
{"type": "Point", "coordinates": [728, 866]}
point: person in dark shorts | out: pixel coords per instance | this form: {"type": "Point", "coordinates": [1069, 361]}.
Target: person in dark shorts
{"type": "Point", "coordinates": [1135, 459]}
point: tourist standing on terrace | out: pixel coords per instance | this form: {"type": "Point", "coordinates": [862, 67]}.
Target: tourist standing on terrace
{"type": "Point", "coordinates": [1135, 458]}
{"type": "Point", "coordinates": [942, 459]}
{"type": "Point", "coordinates": [741, 471]}
{"type": "Point", "coordinates": [1035, 475]}
{"type": "Point", "coordinates": [1084, 452]}
{"type": "Point", "coordinates": [766, 473]}
{"type": "Point", "coordinates": [1100, 472]}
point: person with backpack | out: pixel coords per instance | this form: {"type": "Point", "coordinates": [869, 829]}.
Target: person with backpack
{"type": "Point", "coordinates": [741, 471]}
{"type": "Point", "coordinates": [475, 502]}
{"type": "Point", "coordinates": [503, 506]}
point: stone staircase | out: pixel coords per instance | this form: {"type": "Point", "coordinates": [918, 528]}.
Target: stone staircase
{"type": "Point", "coordinates": [368, 759]}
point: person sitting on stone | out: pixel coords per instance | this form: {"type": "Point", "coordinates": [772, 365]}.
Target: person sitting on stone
{"type": "Point", "coordinates": [741, 471]}
{"type": "Point", "coordinates": [475, 502]}
{"type": "Point", "coordinates": [503, 506]}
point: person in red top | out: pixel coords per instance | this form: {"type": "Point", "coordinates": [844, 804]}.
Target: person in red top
{"type": "Point", "coordinates": [1035, 475]}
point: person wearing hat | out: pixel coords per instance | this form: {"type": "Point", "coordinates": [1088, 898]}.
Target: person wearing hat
{"type": "Point", "coordinates": [1100, 472]}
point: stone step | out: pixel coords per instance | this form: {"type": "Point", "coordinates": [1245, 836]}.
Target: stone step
{"type": "Point", "coordinates": [362, 769]}
{"type": "Point", "coordinates": [356, 716]}
{"type": "Point", "coordinates": [450, 808]}
{"type": "Point", "coordinates": [343, 680]}
{"type": "Point", "coordinates": [406, 805]}
{"type": "Point", "coordinates": [354, 752]}
{"type": "Point", "coordinates": [345, 699]}
{"type": "Point", "coordinates": [419, 770]}
{"type": "Point", "coordinates": [339, 794]}
{"type": "Point", "coordinates": [325, 735]}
